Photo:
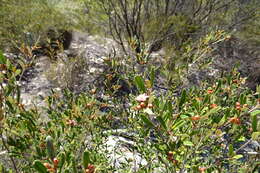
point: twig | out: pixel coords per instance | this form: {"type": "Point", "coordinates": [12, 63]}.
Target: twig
{"type": "Point", "coordinates": [244, 145]}
{"type": "Point", "coordinates": [12, 159]}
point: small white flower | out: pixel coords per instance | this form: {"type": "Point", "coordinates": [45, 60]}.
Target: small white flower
{"type": "Point", "coordinates": [142, 98]}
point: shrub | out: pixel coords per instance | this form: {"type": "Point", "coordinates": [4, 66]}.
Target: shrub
{"type": "Point", "coordinates": [194, 129]}
{"type": "Point", "coordinates": [198, 129]}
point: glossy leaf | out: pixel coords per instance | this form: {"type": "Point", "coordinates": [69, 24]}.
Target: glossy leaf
{"type": "Point", "coordinates": [188, 143]}
{"type": "Point", "coordinates": [255, 135]}
{"type": "Point", "coordinates": [256, 112]}
{"type": "Point", "coordinates": [162, 122]}
{"type": "Point", "coordinates": [254, 122]}
{"type": "Point", "coordinates": [2, 58]}
{"type": "Point", "coordinates": [239, 156]}
{"type": "Point", "coordinates": [50, 147]}
{"type": "Point", "coordinates": [86, 158]}
{"type": "Point", "coordinates": [183, 98]}
{"type": "Point", "coordinates": [139, 81]}
{"type": "Point", "coordinates": [230, 150]}
{"type": "Point", "coordinates": [152, 75]}
{"type": "Point", "coordinates": [39, 167]}
{"type": "Point", "coordinates": [62, 158]}
{"type": "Point", "coordinates": [146, 120]}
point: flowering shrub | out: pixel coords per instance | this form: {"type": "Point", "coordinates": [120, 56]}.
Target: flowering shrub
{"type": "Point", "coordinates": [199, 129]}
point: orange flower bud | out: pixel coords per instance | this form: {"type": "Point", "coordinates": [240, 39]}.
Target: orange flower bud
{"type": "Point", "coordinates": [195, 118]}
{"type": "Point", "coordinates": [90, 169]}
{"type": "Point", "coordinates": [202, 169]}
{"type": "Point", "coordinates": [88, 105]}
{"type": "Point", "coordinates": [238, 108]}
{"type": "Point", "coordinates": [237, 104]}
{"type": "Point", "coordinates": [235, 120]}
{"type": "Point", "coordinates": [52, 170]}
{"type": "Point", "coordinates": [142, 104]}
{"type": "Point", "coordinates": [199, 98]}
{"type": "Point", "coordinates": [71, 122]}
{"type": "Point", "coordinates": [170, 156]}
{"type": "Point", "coordinates": [228, 37]}
{"type": "Point", "coordinates": [210, 91]}
{"type": "Point", "coordinates": [150, 105]}
{"type": "Point", "coordinates": [245, 105]}
{"type": "Point", "coordinates": [235, 81]}
{"type": "Point", "coordinates": [138, 107]}
{"type": "Point", "coordinates": [93, 91]}
{"type": "Point", "coordinates": [47, 165]}
{"type": "Point", "coordinates": [213, 105]}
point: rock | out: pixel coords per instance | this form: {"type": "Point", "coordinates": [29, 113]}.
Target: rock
{"type": "Point", "coordinates": [76, 68]}
{"type": "Point", "coordinates": [121, 150]}
{"type": "Point", "coordinates": [253, 79]}
{"type": "Point", "coordinates": [56, 41]}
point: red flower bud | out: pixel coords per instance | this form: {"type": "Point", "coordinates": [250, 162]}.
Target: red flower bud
{"type": "Point", "coordinates": [55, 162]}
{"type": "Point", "coordinates": [47, 165]}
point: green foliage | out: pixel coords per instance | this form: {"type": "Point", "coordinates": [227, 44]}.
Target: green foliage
{"type": "Point", "coordinates": [26, 22]}
{"type": "Point", "coordinates": [176, 131]}
{"type": "Point", "coordinates": [186, 127]}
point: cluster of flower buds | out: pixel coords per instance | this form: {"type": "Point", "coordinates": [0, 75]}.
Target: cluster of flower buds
{"type": "Point", "coordinates": [52, 168]}
{"type": "Point", "coordinates": [90, 169]}
{"type": "Point", "coordinates": [235, 120]}
{"type": "Point", "coordinates": [143, 102]}
{"type": "Point", "coordinates": [171, 158]}
{"type": "Point", "coordinates": [71, 123]}
{"type": "Point", "coordinates": [195, 118]}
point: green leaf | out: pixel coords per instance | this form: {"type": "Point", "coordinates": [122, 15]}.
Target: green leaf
{"type": "Point", "coordinates": [223, 120]}
{"type": "Point", "coordinates": [230, 150]}
{"type": "Point", "coordinates": [242, 99]}
{"type": "Point", "coordinates": [165, 106]}
{"type": "Point", "coordinates": [196, 105]}
{"type": "Point", "coordinates": [50, 147]}
{"type": "Point", "coordinates": [219, 83]}
{"type": "Point", "coordinates": [146, 120]}
{"type": "Point", "coordinates": [18, 94]}
{"type": "Point", "coordinates": [188, 143]}
{"type": "Point", "coordinates": [241, 139]}
{"type": "Point", "coordinates": [183, 98]}
{"type": "Point", "coordinates": [162, 122]}
{"type": "Point", "coordinates": [152, 75]}
{"type": "Point", "coordinates": [212, 111]}
{"type": "Point", "coordinates": [184, 116]}
{"type": "Point", "coordinates": [10, 90]}
{"type": "Point", "coordinates": [178, 124]}
{"type": "Point", "coordinates": [17, 72]}
{"type": "Point", "coordinates": [9, 104]}
{"type": "Point", "coordinates": [256, 112]}
{"type": "Point", "coordinates": [74, 167]}
{"type": "Point", "coordinates": [239, 156]}
{"type": "Point", "coordinates": [255, 135]}
{"type": "Point", "coordinates": [2, 58]}
{"type": "Point", "coordinates": [170, 109]}
{"type": "Point", "coordinates": [86, 158]}
{"type": "Point", "coordinates": [39, 167]}
{"type": "Point", "coordinates": [139, 81]}
{"type": "Point", "coordinates": [254, 122]}
{"type": "Point", "coordinates": [206, 99]}
{"type": "Point", "coordinates": [62, 159]}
